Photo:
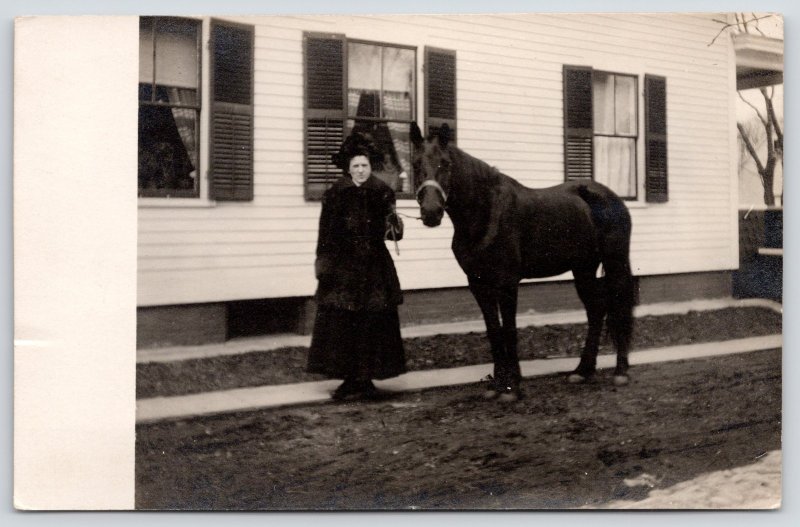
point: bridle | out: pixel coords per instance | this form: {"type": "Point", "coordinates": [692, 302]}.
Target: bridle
{"type": "Point", "coordinates": [428, 183]}
{"type": "Point", "coordinates": [435, 184]}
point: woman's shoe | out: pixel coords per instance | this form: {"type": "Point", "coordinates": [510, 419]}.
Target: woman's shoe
{"type": "Point", "coordinates": [358, 391]}
{"type": "Point", "coordinates": [347, 391]}
{"type": "Point", "coordinates": [373, 393]}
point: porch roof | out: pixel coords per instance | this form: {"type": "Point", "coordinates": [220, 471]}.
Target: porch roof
{"type": "Point", "coordinates": [759, 60]}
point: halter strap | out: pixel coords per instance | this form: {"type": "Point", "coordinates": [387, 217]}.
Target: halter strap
{"type": "Point", "coordinates": [435, 184]}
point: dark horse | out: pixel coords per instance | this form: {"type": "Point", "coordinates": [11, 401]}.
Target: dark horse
{"type": "Point", "coordinates": [504, 232]}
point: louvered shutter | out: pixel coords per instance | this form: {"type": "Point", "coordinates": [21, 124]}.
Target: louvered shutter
{"type": "Point", "coordinates": [655, 116]}
{"type": "Point", "coordinates": [325, 59]}
{"type": "Point", "coordinates": [231, 111]}
{"type": "Point", "coordinates": [578, 123]}
{"type": "Point", "coordinates": [440, 90]}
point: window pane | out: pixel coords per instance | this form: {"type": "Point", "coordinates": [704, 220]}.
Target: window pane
{"type": "Point", "coordinates": [625, 98]}
{"type": "Point", "coordinates": [615, 164]}
{"type": "Point", "coordinates": [603, 99]}
{"type": "Point", "coordinates": [167, 148]}
{"type": "Point", "coordinates": [176, 53]}
{"type": "Point", "coordinates": [398, 83]}
{"type": "Point", "coordinates": [392, 139]}
{"type": "Point", "coordinates": [363, 80]}
{"type": "Point", "coordinates": [402, 144]}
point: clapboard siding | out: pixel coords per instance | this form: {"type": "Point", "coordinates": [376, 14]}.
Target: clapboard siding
{"type": "Point", "coordinates": [510, 114]}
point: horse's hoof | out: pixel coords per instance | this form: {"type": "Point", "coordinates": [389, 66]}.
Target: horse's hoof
{"type": "Point", "coordinates": [508, 397]}
{"type": "Point", "coordinates": [621, 380]}
{"type": "Point", "coordinates": [490, 394]}
{"type": "Point", "coordinates": [576, 378]}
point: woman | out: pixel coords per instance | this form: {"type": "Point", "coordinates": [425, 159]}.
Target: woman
{"type": "Point", "coordinates": [357, 330]}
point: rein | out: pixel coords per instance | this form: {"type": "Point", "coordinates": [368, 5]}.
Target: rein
{"type": "Point", "coordinates": [409, 217]}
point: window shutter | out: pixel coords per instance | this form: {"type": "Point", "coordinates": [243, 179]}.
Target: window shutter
{"type": "Point", "coordinates": [231, 111]}
{"type": "Point", "coordinates": [578, 124]}
{"type": "Point", "coordinates": [325, 60]}
{"type": "Point", "coordinates": [440, 90]}
{"type": "Point", "coordinates": [655, 116]}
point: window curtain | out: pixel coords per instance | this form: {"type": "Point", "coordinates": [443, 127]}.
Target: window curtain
{"type": "Point", "coordinates": [615, 163]}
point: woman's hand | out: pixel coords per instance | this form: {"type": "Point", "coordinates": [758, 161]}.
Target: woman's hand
{"type": "Point", "coordinates": [394, 227]}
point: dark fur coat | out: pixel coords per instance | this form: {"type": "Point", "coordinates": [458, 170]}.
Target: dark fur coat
{"type": "Point", "coordinates": [354, 267]}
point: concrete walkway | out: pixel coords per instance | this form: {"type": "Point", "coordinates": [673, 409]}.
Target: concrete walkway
{"type": "Point", "coordinates": [260, 397]}
{"type": "Point", "coordinates": [182, 406]}
{"type": "Point", "coordinates": [270, 342]}
{"type": "Point", "coordinates": [160, 408]}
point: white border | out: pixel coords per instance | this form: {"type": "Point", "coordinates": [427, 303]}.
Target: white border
{"type": "Point", "coordinates": [19, 7]}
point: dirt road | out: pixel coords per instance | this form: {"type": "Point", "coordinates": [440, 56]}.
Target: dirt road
{"type": "Point", "coordinates": [562, 446]}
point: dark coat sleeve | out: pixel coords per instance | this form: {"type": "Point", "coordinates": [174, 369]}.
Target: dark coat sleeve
{"type": "Point", "coordinates": [326, 238]}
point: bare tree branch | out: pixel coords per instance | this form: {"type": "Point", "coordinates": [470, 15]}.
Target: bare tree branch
{"type": "Point", "coordinates": [770, 129]}
{"type": "Point", "coordinates": [740, 22]}
{"type": "Point", "coordinates": [753, 130]}
{"type": "Point", "coordinates": [751, 105]}
{"type": "Point", "coordinates": [751, 149]}
{"type": "Point", "coordinates": [740, 25]}
{"type": "Point", "coordinates": [755, 19]}
{"type": "Point", "coordinates": [773, 117]}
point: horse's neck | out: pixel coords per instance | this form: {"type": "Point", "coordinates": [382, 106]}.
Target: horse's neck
{"type": "Point", "coordinates": [470, 198]}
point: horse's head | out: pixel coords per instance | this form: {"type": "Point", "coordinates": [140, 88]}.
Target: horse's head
{"type": "Point", "coordinates": [432, 165]}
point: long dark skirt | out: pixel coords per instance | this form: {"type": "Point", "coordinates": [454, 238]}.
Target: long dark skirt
{"type": "Point", "coordinates": [357, 345]}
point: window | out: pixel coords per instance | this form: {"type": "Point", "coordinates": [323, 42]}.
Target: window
{"type": "Point", "coordinates": [354, 85]}
{"type": "Point", "coordinates": [601, 115]}
{"type": "Point", "coordinates": [169, 106]}
{"type": "Point", "coordinates": [615, 131]}
{"type": "Point", "coordinates": [380, 102]}
{"type": "Point", "coordinates": [169, 109]}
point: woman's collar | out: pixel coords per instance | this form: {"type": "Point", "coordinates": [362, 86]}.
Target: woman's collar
{"type": "Point", "coordinates": [368, 183]}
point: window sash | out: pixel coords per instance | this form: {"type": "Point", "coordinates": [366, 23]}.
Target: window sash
{"type": "Point", "coordinates": [172, 87]}
{"type": "Point", "coordinates": [615, 132]}
{"type": "Point", "coordinates": [370, 88]}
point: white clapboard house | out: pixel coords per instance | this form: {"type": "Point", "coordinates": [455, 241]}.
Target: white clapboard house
{"type": "Point", "coordinates": [239, 116]}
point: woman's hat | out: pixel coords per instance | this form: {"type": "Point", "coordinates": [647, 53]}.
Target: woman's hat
{"type": "Point", "coordinates": [358, 144]}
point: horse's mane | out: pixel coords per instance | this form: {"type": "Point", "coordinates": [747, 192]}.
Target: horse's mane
{"type": "Point", "coordinates": [477, 170]}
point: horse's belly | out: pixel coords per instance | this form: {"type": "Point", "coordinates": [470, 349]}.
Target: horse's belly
{"type": "Point", "coordinates": [542, 263]}
{"type": "Point", "coordinates": [544, 270]}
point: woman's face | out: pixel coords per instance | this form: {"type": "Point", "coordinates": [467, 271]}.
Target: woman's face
{"type": "Point", "coordinates": [360, 169]}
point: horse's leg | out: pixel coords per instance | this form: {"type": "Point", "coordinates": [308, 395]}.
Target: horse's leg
{"type": "Point", "coordinates": [590, 291]}
{"type": "Point", "coordinates": [620, 295]}
{"type": "Point", "coordinates": [508, 310]}
{"type": "Point", "coordinates": [487, 301]}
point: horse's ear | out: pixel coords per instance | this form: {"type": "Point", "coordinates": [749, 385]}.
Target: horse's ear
{"type": "Point", "coordinates": [416, 134]}
{"type": "Point", "coordinates": [444, 135]}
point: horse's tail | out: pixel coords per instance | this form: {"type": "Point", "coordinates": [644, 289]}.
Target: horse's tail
{"type": "Point", "coordinates": [613, 222]}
